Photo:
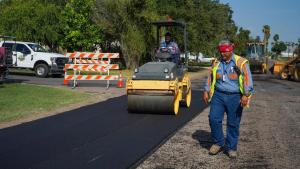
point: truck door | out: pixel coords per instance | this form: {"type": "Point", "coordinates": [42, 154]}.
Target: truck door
{"type": "Point", "coordinates": [23, 56]}
{"type": "Point", "coordinates": [10, 48]}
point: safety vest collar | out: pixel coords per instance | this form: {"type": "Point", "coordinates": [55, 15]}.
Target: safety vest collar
{"type": "Point", "coordinates": [232, 59]}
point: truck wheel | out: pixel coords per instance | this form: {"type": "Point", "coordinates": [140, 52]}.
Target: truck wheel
{"type": "Point", "coordinates": [41, 70]}
{"type": "Point", "coordinates": [283, 75]}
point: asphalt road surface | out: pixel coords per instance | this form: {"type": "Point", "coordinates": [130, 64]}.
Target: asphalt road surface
{"type": "Point", "coordinates": [102, 135]}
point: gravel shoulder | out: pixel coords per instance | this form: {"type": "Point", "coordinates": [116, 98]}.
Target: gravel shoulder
{"type": "Point", "coordinates": [269, 134]}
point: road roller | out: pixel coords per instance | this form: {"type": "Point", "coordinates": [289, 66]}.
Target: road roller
{"type": "Point", "coordinates": [160, 86]}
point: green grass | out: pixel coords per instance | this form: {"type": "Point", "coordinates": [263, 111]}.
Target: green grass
{"type": "Point", "coordinates": [21, 100]}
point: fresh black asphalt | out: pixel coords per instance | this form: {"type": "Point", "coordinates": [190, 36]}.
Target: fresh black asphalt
{"type": "Point", "coordinates": [103, 135]}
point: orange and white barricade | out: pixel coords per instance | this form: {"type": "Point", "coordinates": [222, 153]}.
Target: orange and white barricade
{"type": "Point", "coordinates": [88, 63]}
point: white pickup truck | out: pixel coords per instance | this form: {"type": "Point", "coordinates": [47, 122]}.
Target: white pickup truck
{"type": "Point", "coordinates": [32, 56]}
{"type": "Point", "coordinates": [201, 58]}
{"type": "Point", "coordinates": [205, 59]}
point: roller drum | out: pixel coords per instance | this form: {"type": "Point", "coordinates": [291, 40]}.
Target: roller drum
{"type": "Point", "coordinates": [151, 104]}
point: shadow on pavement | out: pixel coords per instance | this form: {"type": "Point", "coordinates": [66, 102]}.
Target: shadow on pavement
{"type": "Point", "coordinates": [10, 81]}
{"type": "Point", "coordinates": [203, 137]}
{"type": "Point", "coordinates": [22, 73]}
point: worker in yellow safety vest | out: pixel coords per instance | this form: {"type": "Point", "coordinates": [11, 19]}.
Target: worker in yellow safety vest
{"type": "Point", "coordinates": [229, 88]}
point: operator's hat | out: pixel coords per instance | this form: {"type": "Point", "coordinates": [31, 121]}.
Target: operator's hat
{"type": "Point", "coordinates": [225, 46]}
{"type": "Point", "coordinates": [167, 34]}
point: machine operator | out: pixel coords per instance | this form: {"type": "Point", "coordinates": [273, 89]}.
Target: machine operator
{"type": "Point", "coordinates": [171, 47]}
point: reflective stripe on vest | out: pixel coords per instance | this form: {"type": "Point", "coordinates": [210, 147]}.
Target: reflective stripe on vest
{"type": "Point", "coordinates": [239, 62]}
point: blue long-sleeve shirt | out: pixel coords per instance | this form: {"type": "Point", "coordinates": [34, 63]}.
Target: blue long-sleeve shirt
{"type": "Point", "coordinates": [227, 79]}
{"type": "Point", "coordinates": [171, 45]}
{"type": "Point", "coordinates": [174, 50]}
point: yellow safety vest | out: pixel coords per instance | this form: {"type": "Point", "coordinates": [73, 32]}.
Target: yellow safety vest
{"type": "Point", "coordinates": [239, 61]}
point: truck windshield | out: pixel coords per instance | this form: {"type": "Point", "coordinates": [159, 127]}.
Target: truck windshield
{"type": "Point", "coordinates": [37, 47]}
{"type": "Point", "coordinates": [255, 50]}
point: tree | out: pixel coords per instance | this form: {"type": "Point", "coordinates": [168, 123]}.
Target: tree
{"type": "Point", "coordinates": [128, 24]}
{"type": "Point", "coordinates": [257, 39]}
{"type": "Point", "coordinates": [241, 40]}
{"type": "Point", "coordinates": [79, 30]}
{"type": "Point", "coordinates": [60, 3]}
{"type": "Point", "coordinates": [207, 21]}
{"type": "Point", "coordinates": [267, 32]}
{"type": "Point", "coordinates": [118, 26]}
{"type": "Point", "coordinates": [135, 50]}
{"type": "Point", "coordinates": [33, 20]}
{"type": "Point", "coordinates": [276, 38]}
{"type": "Point", "coordinates": [279, 47]}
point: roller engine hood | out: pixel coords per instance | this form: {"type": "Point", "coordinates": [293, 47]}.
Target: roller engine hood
{"type": "Point", "coordinates": [156, 71]}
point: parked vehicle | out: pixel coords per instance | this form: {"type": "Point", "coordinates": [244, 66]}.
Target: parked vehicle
{"type": "Point", "coordinates": [200, 58]}
{"type": "Point", "coordinates": [205, 59]}
{"type": "Point", "coordinates": [28, 55]}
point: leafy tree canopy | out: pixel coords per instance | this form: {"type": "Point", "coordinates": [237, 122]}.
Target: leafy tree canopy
{"type": "Point", "coordinates": [80, 32]}
{"type": "Point", "coordinates": [120, 25]}
{"type": "Point", "coordinates": [279, 47]}
{"type": "Point", "coordinates": [33, 20]}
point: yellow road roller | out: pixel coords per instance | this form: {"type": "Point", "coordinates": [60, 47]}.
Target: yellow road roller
{"type": "Point", "coordinates": [160, 86]}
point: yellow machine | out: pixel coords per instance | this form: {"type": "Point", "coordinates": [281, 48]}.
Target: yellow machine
{"type": "Point", "coordinates": [256, 56]}
{"type": "Point", "coordinates": [160, 86]}
{"type": "Point", "coordinates": [288, 70]}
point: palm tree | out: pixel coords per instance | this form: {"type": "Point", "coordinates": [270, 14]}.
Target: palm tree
{"type": "Point", "coordinates": [276, 38]}
{"type": "Point", "coordinates": [267, 32]}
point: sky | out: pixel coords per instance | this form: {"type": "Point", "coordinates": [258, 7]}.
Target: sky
{"type": "Point", "coordinates": [283, 16]}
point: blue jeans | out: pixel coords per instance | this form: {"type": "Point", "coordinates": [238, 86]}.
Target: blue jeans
{"type": "Point", "coordinates": [229, 103]}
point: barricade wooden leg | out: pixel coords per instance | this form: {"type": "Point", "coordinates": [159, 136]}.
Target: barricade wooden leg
{"type": "Point", "coordinates": [107, 86]}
